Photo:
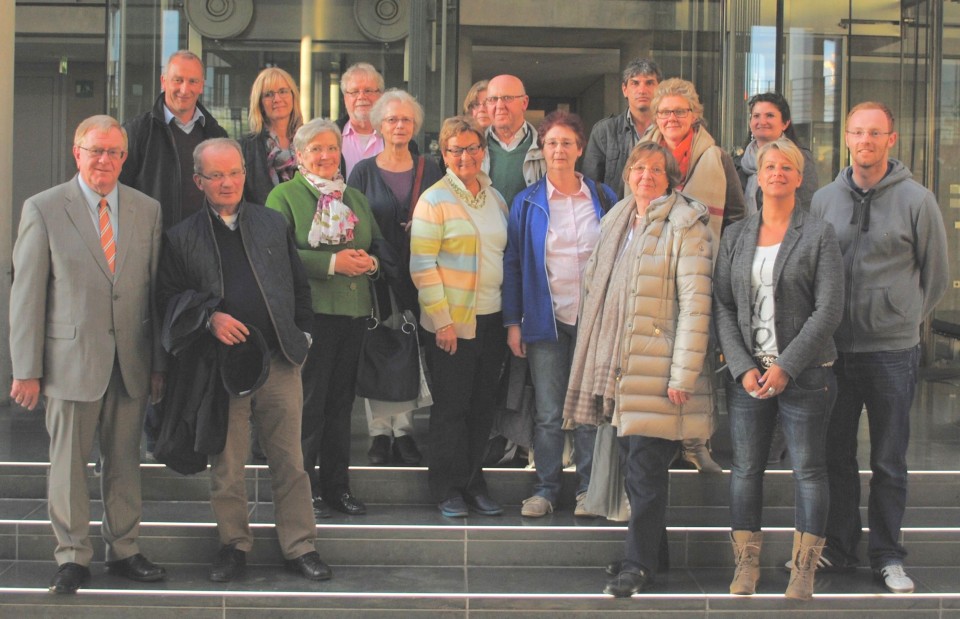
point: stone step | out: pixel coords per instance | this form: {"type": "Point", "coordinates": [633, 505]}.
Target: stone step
{"type": "Point", "coordinates": [442, 592]}
{"type": "Point", "coordinates": [422, 537]}
{"type": "Point", "coordinates": [397, 485]}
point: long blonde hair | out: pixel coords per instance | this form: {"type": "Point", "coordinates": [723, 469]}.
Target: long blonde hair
{"type": "Point", "coordinates": [273, 77]}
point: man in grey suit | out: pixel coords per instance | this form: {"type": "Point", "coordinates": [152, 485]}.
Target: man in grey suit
{"type": "Point", "coordinates": [84, 335]}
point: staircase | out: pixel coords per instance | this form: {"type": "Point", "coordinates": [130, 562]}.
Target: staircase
{"type": "Point", "coordinates": [404, 559]}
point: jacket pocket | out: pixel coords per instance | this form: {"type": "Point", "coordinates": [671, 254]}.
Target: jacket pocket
{"type": "Point", "coordinates": [61, 331]}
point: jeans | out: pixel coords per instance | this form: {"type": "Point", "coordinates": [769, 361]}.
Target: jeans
{"type": "Point", "coordinates": [885, 382]}
{"type": "Point", "coordinates": [550, 370]}
{"type": "Point", "coordinates": [646, 463]}
{"type": "Point", "coordinates": [464, 397]}
{"type": "Point", "coordinates": [804, 411]}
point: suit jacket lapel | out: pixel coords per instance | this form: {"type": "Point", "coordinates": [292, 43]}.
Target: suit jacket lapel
{"type": "Point", "coordinates": [79, 213]}
{"type": "Point", "coordinates": [744, 263]}
{"type": "Point", "coordinates": [790, 240]}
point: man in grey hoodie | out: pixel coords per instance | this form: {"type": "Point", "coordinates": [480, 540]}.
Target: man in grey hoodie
{"type": "Point", "coordinates": [894, 249]}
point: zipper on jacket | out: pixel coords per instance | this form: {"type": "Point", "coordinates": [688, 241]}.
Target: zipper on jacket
{"type": "Point", "coordinates": [848, 309]}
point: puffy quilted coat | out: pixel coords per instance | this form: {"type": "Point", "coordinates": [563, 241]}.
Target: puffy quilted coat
{"type": "Point", "coordinates": [665, 339]}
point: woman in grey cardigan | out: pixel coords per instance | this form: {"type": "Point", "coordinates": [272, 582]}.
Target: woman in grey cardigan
{"type": "Point", "coordinates": [778, 298]}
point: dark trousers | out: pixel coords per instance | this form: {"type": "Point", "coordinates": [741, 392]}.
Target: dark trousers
{"type": "Point", "coordinates": [464, 395]}
{"type": "Point", "coordinates": [885, 382]}
{"type": "Point", "coordinates": [329, 381]}
{"type": "Point", "coordinates": [646, 462]}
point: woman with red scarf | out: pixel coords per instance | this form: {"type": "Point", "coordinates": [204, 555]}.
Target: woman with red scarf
{"type": "Point", "coordinates": [708, 176]}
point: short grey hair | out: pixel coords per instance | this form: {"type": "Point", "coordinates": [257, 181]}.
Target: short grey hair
{"type": "Point", "coordinates": [184, 54]}
{"type": "Point", "coordinates": [395, 95]}
{"type": "Point", "coordinates": [642, 66]}
{"type": "Point", "coordinates": [361, 68]}
{"type": "Point", "coordinates": [213, 143]}
{"type": "Point", "coordinates": [312, 129]}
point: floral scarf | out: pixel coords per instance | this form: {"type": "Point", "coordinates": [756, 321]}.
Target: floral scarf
{"type": "Point", "coordinates": [281, 162]}
{"type": "Point", "coordinates": [334, 221]}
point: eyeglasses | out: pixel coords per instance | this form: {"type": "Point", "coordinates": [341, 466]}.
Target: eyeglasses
{"type": "Point", "coordinates": [97, 153]}
{"type": "Point", "coordinates": [873, 135]}
{"type": "Point", "coordinates": [279, 92]}
{"type": "Point", "coordinates": [219, 177]}
{"type": "Point", "coordinates": [564, 144]}
{"type": "Point", "coordinates": [492, 100]}
{"type": "Point", "coordinates": [456, 151]}
{"type": "Point", "coordinates": [398, 120]}
{"type": "Point", "coordinates": [316, 150]}
{"type": "Point", "coordinates": [476, 105]}
{"type": "Point", "coordinates": [366, 92]}
{"type": "Point", "coordinates": [665, 114]}
{"type": "Point", "coordinates": [640, 169]}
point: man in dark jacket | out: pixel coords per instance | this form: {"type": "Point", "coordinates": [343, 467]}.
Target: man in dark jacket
{"type": "Point", "coordinates": [161, 142]}
{"type": "Point", "coordinates": [613, 138]}
{"type": "Point", "coordinates": [244, 254]}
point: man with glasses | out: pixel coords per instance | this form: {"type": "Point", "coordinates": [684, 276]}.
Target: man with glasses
{"type": "Point", "coordinates": [162, 140]}
{"type": "Point", "coordinates": [243, 254]}
{"type": "Point", "coordinates": [83, 334]}
{"type": "Point", "coordinates": [894, 250]}
{"type": "Point", "coordinates": [361, 85]}
{"type": "Point", "coordinates": [612, 139]}
{"type": "Point", "coordinates": [513, 160]}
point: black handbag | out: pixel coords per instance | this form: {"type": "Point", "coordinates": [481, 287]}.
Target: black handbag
{"type": "Point", "coordinates": [389, 365]}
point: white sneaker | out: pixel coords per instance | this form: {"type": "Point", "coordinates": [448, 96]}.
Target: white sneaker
{"type": "Point", "coordinates": [894, 578]}
{"type": "Point", "coordinates": [536, 506]}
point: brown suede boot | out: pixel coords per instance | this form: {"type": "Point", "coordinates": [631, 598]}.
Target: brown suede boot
{"type": "Point", "coordinates": [806, 552]}
{"type": "Point", "coordinates": [746, 555]}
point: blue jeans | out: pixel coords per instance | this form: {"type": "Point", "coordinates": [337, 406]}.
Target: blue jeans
{"type": "Point", "coordinates": [646, 461]}
{"type": "Point", "coordinates": [804, 411]}
{"type": "Point", "coordinates": [885, 382]}
{"type": "Point", "coordinates": [550, 370]}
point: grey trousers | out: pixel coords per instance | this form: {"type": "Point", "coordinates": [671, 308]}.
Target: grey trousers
{"type": "Point", "coordinates": [275, 409]}
{"type": "Point", "coordinates": [116, 419]}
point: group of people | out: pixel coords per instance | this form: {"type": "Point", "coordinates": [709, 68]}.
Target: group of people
{"type": "Point", "coordinates": [618, 285]}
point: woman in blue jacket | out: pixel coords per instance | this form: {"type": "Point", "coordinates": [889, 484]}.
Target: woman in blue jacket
{"type": "Point", "coordinates": [554, 226]}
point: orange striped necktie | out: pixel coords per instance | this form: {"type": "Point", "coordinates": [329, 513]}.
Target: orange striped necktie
{"type": "Point", "coordinates": [106, 236]}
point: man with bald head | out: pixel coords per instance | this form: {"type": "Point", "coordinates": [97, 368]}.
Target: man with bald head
{"type": "Point", "coordinates": [513, 159]}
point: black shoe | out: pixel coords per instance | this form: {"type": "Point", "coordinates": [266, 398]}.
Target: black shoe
{"type": "Point", "coordinates": [229, 565]}
{"type": "Point", "coordinates": [310, 566]}
{"type": "Point", "coordinates": [627, 583]}
{"type": "Point", "coordinates": [405, 451]}
{"type": "Point", "coordinates": [347, 503]}
{"type": "Point", "coordinates": [138, 568]}
{"type": "Point", "coordinates": [379, 453]}
{"type": "Point", "coordinates": [454, 507]}
{"type": "Point", "coordinates": [69, 578]}
{"type": "Point", "coordinates": [321, 510]}
{"type": "Point", "coordinates": [484, 505]}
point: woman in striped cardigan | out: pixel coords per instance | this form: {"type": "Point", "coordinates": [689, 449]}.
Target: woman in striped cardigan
{"type": "Point", "coordinates": [458, 236]}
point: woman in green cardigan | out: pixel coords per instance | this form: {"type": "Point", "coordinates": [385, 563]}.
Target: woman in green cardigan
{"type": "Point", "coordinates": [334, 229]}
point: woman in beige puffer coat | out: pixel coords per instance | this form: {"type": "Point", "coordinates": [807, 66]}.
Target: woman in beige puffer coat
{"type": "Point", "coordinates": [644, 328]}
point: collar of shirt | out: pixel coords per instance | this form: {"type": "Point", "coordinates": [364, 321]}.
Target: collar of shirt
{"type": "Point", "coordinates": [93, 203]}
{"type": "Point", "coordinates": [554, 193]}
{"type": "Point", "coordinates": [187, 126]}
{"type": "Point", "coordinates": [518, 137]}
{"type": "Point", "coordinates": [631, 127]}
{"type": "Point", "coordinates": [230, 221]}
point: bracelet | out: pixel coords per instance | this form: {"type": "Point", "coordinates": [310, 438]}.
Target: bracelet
{"type": "Point", "coordinates": [444, 327]}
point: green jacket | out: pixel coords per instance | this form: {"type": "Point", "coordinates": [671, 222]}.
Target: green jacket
{"type": "Point", "coordinates": [336, 295]}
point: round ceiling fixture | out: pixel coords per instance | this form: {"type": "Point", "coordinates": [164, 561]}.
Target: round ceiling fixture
{"type": "Point", "coordinates": [383, 20]}
{"type": "Point", "coordinates": [219, 19]}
